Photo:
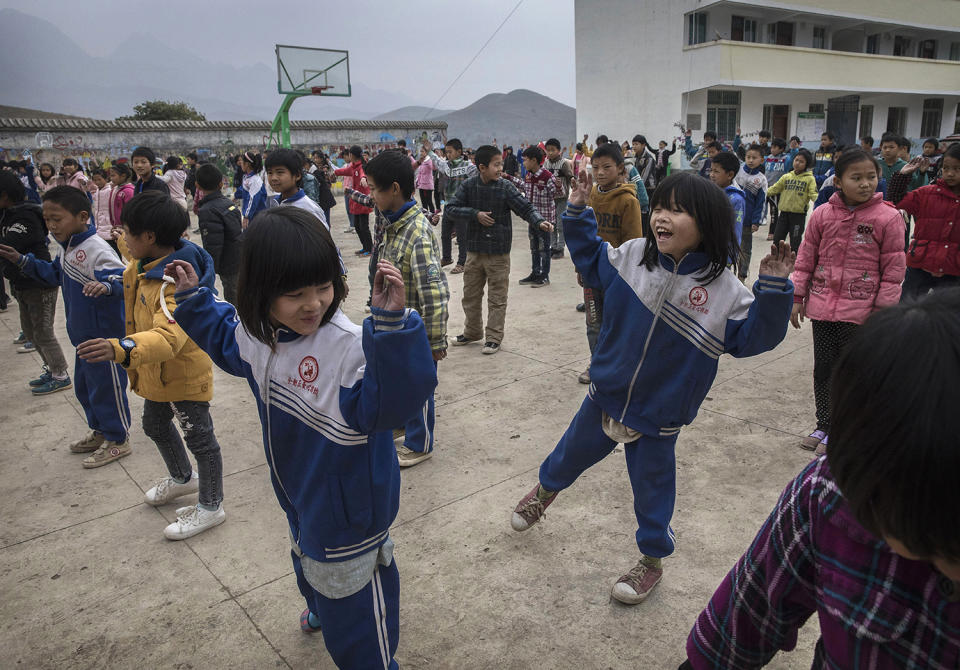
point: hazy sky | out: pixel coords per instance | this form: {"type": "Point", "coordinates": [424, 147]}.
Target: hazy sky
{"type": "Point", "coordinates": [418, 46]}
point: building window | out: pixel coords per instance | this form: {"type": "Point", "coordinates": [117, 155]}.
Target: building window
{"type": "Point", "coordinates": [873, 44]}
{"type": "Point", "coordinates": [743, 29]}
{"type": "Point", "coordinates": [901, 46]}
{"type": "Point", "coordinates": [815, 108]}
{"type": "Point", "coordinates": [866, 121]}
{"type": "Point", "coordinates": [723, 113]}
{"type": "Point", "coordinates": [697, 28]}
{"type": "Point", "coordinates": [819, 37]}
{"type": "Point", "coordinates": [955, 51]}
{"type": "Point", "coordinates": [780, 33]}
{"type": "Point", "coordinates": [897, 120]}
{"type": "Point", "coordinates": [927, 49]}
{"type": "Point", "coordinates": [932, 117]}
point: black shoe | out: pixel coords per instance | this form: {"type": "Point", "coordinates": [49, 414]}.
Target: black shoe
{"type": "Point", "coordinates": [460, 340]}
{"type": "Point", "coordinates": [581, 307]}
{"type": "Point", "coordinates": [491, 347]}
{"type": "Point", "coordinates": [529, 279]}
{"type": "Point", "coordinates": [540, 281]}
{"type": "Point", "coordinates": [556, 254]}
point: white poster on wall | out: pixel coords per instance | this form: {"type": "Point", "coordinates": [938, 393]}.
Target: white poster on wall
{"type": "Point", "coordinates": [811, 125]}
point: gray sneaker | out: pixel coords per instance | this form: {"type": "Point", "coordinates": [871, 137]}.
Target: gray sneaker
{"type": "Point", "coordinates": [108, 452]}
{"type": "Point", "coordinates": [168, 489]}
{"type": "Point", "coordinates": [88, 443]}
{"type": "Point", "coordinates": [408, 457]}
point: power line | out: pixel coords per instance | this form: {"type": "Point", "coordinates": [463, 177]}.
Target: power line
{"type": "Point", "coordinates": [475, 56]}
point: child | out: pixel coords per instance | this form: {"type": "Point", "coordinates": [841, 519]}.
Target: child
{"type": "Point", "coordinates": [424, 181]}
{"type": "Point", "coordinates": [562, 168]}
{"type": "Point", "coordinates": [325, 197]}
{"type": "Point", "coordinates": [409, 245]}
{"type": "Point", "coordinates": [101, 194]}
{"type": "Point", "coordinates": [823, 159]}
{"type": "Point", "coordinates": [903, 149]}
{"type": "Point", "coordinates": [701, 162]}
{"type": "Point", "coordinates": [619, 219]}
{"type": "Point", "coordinates": [645, 162]}
{"type": "Point", "coordinates": [360, 214]}
{"type": "Point", "coordinates": [122, 193]}
{"type": "Point", "coordinates": [71, 175]}
{"type": "Point", "coordinates": [175, 178]}
{"type": "Point", "coordinates": [866, 538]}
{"type": "Point", "coordinates": [866, 143]}
{"type": "Point", "coordinates": [723, 172]}
{"type": "Point", "coordinates": [671, 292]}
{"type": "Point", "coordinates": [931, 151]}
{"type": "Point", "coordinates": [253, 194]}
{"type": "Point", "coordinates": [285, 175]}
{"type": "Point", "coordinates": [22, 231]}
{"type": "Point", "coordinates": [799, 189]}
{"type": "Point", "coordinates": [347, 182]}
{"type": "Point", "coordinates": [166, 368]}
{"type": "Point", "coordinates": [45, 179]}
{"type": "Point", "coordinates": [753, 181]}
{"type": "Point", "coordinates": [309, 183]}
{"type": "Point", "coordinates": [663, 160]}
{"type": "Point", "coordinates": [849, 265]}
{"type": "Point", "coordinates": [328, 392]}
{"type": "Point", "coordinates": [220, 229]}
{"type": "Point", "coordinates": [933, 258]}
{"type": "Point", "coordinates": [142, 160]}
{"type": "Point", "coordinates": [890, 162]}
{"type": "Point", "coordinates": [539, 186]}
{"type": "Point", "coordinates": [456, 170]}
{"type": "Point", "coordinates": [484, 202]}
{"type": "Point", "coordinates": [831, 185]}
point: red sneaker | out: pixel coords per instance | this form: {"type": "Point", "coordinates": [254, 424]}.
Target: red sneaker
{"type": "Point", "coordinates": [530, 509]}
{"type": "Point", "coordinates": [636, 585]}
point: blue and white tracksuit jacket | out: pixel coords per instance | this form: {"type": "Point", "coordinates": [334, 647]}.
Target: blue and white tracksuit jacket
{"type": "Point", "coordinates": [253, 195]}
{"type": "Point", "coordinates": [100, 387]}
{"type": "Point", "coordinates": [300, 199]}
{"type": "Point", "coordinates": [664, 330]}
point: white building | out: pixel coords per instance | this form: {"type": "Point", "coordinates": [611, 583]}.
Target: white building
{"type": "Point", "coordinates": [855, 67]}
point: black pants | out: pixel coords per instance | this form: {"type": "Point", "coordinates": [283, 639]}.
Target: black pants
{"type": "Point", "coordinates": [917, 283]}
{"type": "Point", "coordinates": [426, 199]}
{"type": "Point", "coordinates": [829, 339]}
{"type": "Point", "coordinates": [361, 222]}
{"type": "Point", "coordinates": [194, 419]}
{"type": "Point", "coordinates": [438, 198]}
{"type": "Point", "coordinates": [791, 223]}
{"type": "Point", "coordinates": [447, 226]}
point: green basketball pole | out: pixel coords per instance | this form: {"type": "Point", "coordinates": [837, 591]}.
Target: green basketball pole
{"type": "Point", "coordinates": [280, 129]}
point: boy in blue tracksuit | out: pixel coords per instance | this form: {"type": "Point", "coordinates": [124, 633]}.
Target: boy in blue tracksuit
{"type": "Point", "coordinates": [753, 182]}
{"type": "Point", "coordinates": [672, 308]}
{"type": "Point", "coordinates": [87, 270]}
{"type": "Point", "coordinates": [328, 393]}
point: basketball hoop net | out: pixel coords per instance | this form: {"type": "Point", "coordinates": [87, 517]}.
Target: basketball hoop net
{"type": "Point", "coordinates": [318, 90]}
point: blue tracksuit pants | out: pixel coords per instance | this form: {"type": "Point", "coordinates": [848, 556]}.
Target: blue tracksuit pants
{"type": "Point", "coordinates": [419, 428]}
{"type": "Point", "coordinates": [101, 389]}
{"type": "Point", "coordinates": [362, 630]}
{"type": "Point", "coordinates": [651, 464]}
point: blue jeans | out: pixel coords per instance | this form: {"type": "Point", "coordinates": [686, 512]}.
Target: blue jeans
{"type": "Point", "coordinates": [346, 204]}
{"type": "Point", "coordinates": [540, 251]}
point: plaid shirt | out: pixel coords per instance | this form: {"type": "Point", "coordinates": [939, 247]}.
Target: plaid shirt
{"type": "Point", "coordinates": [876, 609]}
{"type": "Point", "coordinates": [541, 189]}
{"type": "Point", "coordinates": [499, 197]}
{"type": "Point", "coordinates": [379, 221]}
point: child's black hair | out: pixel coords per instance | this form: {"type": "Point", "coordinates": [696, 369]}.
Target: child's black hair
{"type": "Point", "coordinates": [122, 169]}
{"type": "Point", "coordinates": [931, 140]}
{"type": "Point", "coordinates": [209, 177]}
{"type": "Point", "coordinates": [98, 172]}
{"type": "Point", "coordinates": [579, 146]}
{"type": "Point", "coordinates": [485, 153]}
{"type": "Point", "coordinates": [11, 185]}
{"type": "Point", "coordinates": [829, 134]}
{"type": "Point", "coordinates": [552, 142]}
{"type": "Point", "coordinates": [851, 156]}
{"type": "Point", "coordinates": [894, 455]}
{"type": "Point", "coordinates": [192, 156]}
{"type": "Point", "coordinates": [712, 145]}
{"type": "Point", "coordinates": [795, 138]}
{"type": "Point", "coordinates": [144, 152]}
{"type": "Point", "coordinates": [389, 167]}
{"type": "Point", "coordinates": [284, 249]}
{"type": "Point", "coordinates": [727, 161]}
{"type": "Point", "coordinates": [807, 157]}
{"type": "Point", "coordinates": [173, 163]}
{"type": "Point", "coordinates": [534, 152]}
{"type": "Point", "coordinates": [953, 151]}
{"type": "Point", "coordinates": [155, 212]}
{"type": "Point", "coordinates": [602, 139]}
{"type": "Point", "coordinates": [454, 144]}
{"type": "Point", "coordinates": [640, 138]}
{"type": "Point", "coordinates": [889, 137]}
{"type": "Point", "coordinates": [778, 142]}
{"type": "Point", "coordinates": [868, 139]}
{"type": "Point", "coordinates": [71, 199]}
{"type": "Point", "coordinates": [765, 133]}
{"type": "Point", "coordinates": [713, 214]}
{"type": "Point", "coordinates": [53, 172]}
{"type": "Point", "coordinates": [608, 150]}
{"type": "Point", "coordinates": [755, 147]}
{"type": "Point", "coordinates": [71, 161]}
{"type": "Point", "coordinates": [903, 142]}
{"type": "Point", "coordinates": [290, 159]}
{"type": "Point", "coordinates": [709, 133]}
{"type": "Point", "coordinates": [255, 160]}
{"type": "Point", "coordinates": [401, 143]}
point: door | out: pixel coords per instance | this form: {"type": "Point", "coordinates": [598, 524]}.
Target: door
{"type": "Point", "coordinates": [842, 119]}
{"type": "Point", "coordinates": [775, 119]}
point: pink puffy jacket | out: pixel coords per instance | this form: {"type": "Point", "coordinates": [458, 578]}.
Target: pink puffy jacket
{"type": "Point", "coordinates": [850, 263]}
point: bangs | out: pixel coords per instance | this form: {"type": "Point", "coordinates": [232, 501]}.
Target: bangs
{"type": "Point", "coordinates": [664, 196]}
{"type": "Point", "coordinates": [305, 264]}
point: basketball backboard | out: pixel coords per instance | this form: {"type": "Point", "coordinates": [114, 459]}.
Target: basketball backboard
{"type": "Point", "coordinates": [307, 70]}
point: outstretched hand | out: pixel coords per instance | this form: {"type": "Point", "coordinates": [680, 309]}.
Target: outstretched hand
{"type": "Point", "coordinates": [388, 291]}
{"type": "Point", "coordinates": [580, 188]}
{"type": "Point", "coordinates": [916, 163]}
{"type": "Point", "coordinates": [9, 254]}
{"type": "Point", "coordinates": [183, 273]}
{"type": "Point", "coordinates": [779, 262]}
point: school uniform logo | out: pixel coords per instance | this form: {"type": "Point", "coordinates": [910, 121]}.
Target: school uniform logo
{"type": "Point", "coordinates": [81, 256]}
{"type": "Point", "coordinates": [698, 296]}
{"type": "Point", "coordinates": [309, 369]}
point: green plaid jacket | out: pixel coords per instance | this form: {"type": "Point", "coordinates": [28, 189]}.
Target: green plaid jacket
{"type": "Point", "coordinates": [411, 246]}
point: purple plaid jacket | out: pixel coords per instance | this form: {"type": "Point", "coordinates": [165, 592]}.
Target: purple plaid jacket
{"type": "Point", "coordinates": [877, 610]}
{"type": "Point", "coordinates": [540, 189]}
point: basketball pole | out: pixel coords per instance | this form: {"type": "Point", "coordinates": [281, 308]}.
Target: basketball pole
{"type": "Point", "coordinates": [280, 129]}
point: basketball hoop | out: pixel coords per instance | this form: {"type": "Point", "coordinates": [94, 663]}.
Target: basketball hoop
{"type": "Point", "coordinates": [318, 90]}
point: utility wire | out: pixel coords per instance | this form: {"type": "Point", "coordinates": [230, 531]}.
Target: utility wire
{"type": "Point", "coordinates": [475, 56]}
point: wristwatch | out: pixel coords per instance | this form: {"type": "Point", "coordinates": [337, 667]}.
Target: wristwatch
{"type": "Point", "coordinates": [127, 345]}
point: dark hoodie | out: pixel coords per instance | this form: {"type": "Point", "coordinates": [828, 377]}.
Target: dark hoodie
{"type": "Point", "coordinates": [22, 227]}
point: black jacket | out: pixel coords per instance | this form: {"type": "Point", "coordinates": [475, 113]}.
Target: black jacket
{"type": "Point", "coordinates": [152, 184]}
{"type": "Point", "coordinates": [220, 230]}
{"type": "Point", "coordinates": [511, 165]}
{"type": "Point", "coordinates": [190, 184]}
{"type": "Point", "coordinates": [22, 228]}
{"type": "Point", "coordinates": [327, 199]}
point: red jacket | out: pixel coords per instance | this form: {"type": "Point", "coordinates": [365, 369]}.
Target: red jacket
{"type": "Point", "coordinates": [936, 236]}
{"type": "Point", "coordinates": [850, 263]}
{"type": "Point", "coordinates": [355, 170]}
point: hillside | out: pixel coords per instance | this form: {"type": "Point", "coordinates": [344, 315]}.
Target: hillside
{"type": "Point", "coordinates": [7, 111]}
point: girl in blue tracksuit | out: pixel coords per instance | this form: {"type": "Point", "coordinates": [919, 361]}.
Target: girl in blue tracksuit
{"type": "Point", "coordinates": [253, 193]}
{"type": "Point", "coordinates": [674, 309]}
{"type": "Point", "coordinates": [329, 393]}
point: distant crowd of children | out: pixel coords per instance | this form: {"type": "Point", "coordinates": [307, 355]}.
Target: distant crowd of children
{"type": "Point", "coordinates": [663, 260]}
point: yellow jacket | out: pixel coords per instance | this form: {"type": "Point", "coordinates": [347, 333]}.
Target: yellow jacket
{"type": "Point", "coordinates": [798, 190]}
{"type": "Point", "coordinates": [166, 365]}
{"type": "Point", "coordinates": [618, 213]}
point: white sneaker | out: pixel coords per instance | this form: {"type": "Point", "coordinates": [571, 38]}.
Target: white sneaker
{"type": "Point", "coordinates": [193, 520]}
{"type": "Point", "coordinates": [169, 488]}
{"type": "Point", "coordinates": [408, 457]}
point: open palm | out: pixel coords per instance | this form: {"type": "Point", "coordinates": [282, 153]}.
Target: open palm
{"type": "Point", "coordinates": [779, 262]}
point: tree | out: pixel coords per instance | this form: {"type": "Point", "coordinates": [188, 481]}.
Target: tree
{"type": "Point", "coordinates": [161, 110]}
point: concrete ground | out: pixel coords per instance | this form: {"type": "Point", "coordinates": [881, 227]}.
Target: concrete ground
{"type": "Point", "coordinates": [88, 580]}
